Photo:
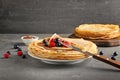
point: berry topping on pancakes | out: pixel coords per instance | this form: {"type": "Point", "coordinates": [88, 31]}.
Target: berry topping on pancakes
{"type": "Point", "coordinates": [59, 48]}
{"type": "Point", "coordinates": [52, 43]}
{"type": "Point", "coordinates": [45, 42]}
{"type": "Point", "coordinates": [55, 41]}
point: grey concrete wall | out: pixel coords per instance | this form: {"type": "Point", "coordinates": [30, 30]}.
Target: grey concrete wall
{"type": "Point", "coordinates": [49, 16]}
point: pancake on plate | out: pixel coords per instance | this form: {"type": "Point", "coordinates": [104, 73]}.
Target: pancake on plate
{"type": "Point", "coordinates": [97, 31]}
{"type": "Point", "coordinates": [51, 48]}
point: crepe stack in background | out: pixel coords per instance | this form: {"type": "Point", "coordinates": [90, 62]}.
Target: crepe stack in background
{"type": "Point", "coordinates": [97, 31]}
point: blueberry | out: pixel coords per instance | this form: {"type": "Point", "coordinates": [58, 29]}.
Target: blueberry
{"type": "Point", "coordinates": [45, 43]}
{"type": "Point", "coordinates": [113, 58]}
{"type": "Point", "coordinates": [58, 45]}
{"type": "Point", "coordinates": [19, 49]}
{"type": "Point", "coordinates": [23, 56]}
{"type": "Point", "coordinates": [115, 54]}
{"type": "Point", "coordinates": [101, 53]}
{"type": "Point", "coordinates": [56, 40]}
{"type": "Point", "coordinates": [16, 46]}
{"type": "Point", "coordinates": [8, 52]}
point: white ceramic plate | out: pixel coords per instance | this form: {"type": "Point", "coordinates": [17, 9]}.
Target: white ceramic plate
{"type": "Point", "coordinates": [52, 61]}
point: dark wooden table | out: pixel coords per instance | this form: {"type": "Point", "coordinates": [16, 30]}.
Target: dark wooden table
{"type": "Point", "coordinates": [16, 68]}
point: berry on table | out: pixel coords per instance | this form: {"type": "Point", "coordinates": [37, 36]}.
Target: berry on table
{"type": "Point", "coordinates": [6, 55]}
{"type": "Point", "coordinates": [115, 53]}
{"type": "Point", "coordinates": [113, 58]}
{"type": "Point", "coordinates": [23, 56]}
{"type": "Point", "coordinates": [16, 46]}
{"type": "Point", "coordinates": [19, 53]}
{"type": "Point", "coordinates": [8, 52]}
{"type": "Point", "coordinates": [101, 53]}
{"type": "Point", "coordinates": [19, 49]}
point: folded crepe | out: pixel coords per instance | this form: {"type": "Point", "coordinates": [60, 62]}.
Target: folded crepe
{"type": "Point", "coordinates": [40, 50]}
{"type": "Point", "coordinates": [97, 31]}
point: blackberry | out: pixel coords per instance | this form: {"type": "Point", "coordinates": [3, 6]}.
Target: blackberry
{"type": "Point", "coordinates": [56, 40]}
{"type": "Point", "coordinates": [45, 43]}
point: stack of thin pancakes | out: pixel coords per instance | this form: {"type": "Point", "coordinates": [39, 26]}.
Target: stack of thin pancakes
{"type": "Point", "coordinates": [97, 31]}
{"type": "Point", "coordinates": [38, 49]}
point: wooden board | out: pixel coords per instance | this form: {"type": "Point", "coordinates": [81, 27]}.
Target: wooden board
{"type": "Point", "coordinates": [103, 43]}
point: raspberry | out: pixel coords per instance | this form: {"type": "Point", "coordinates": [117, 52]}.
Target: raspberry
{"type": "Point", "coordinates": [52, 40]}
{"type": "Point", "coordinates": [66, 43]}
{"type": "Point", "coordinates": [19, 53]}
{"type": "Point", "coordinates": [6, 55]}
{"type": "Point", "coordinates": [52, 44]}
